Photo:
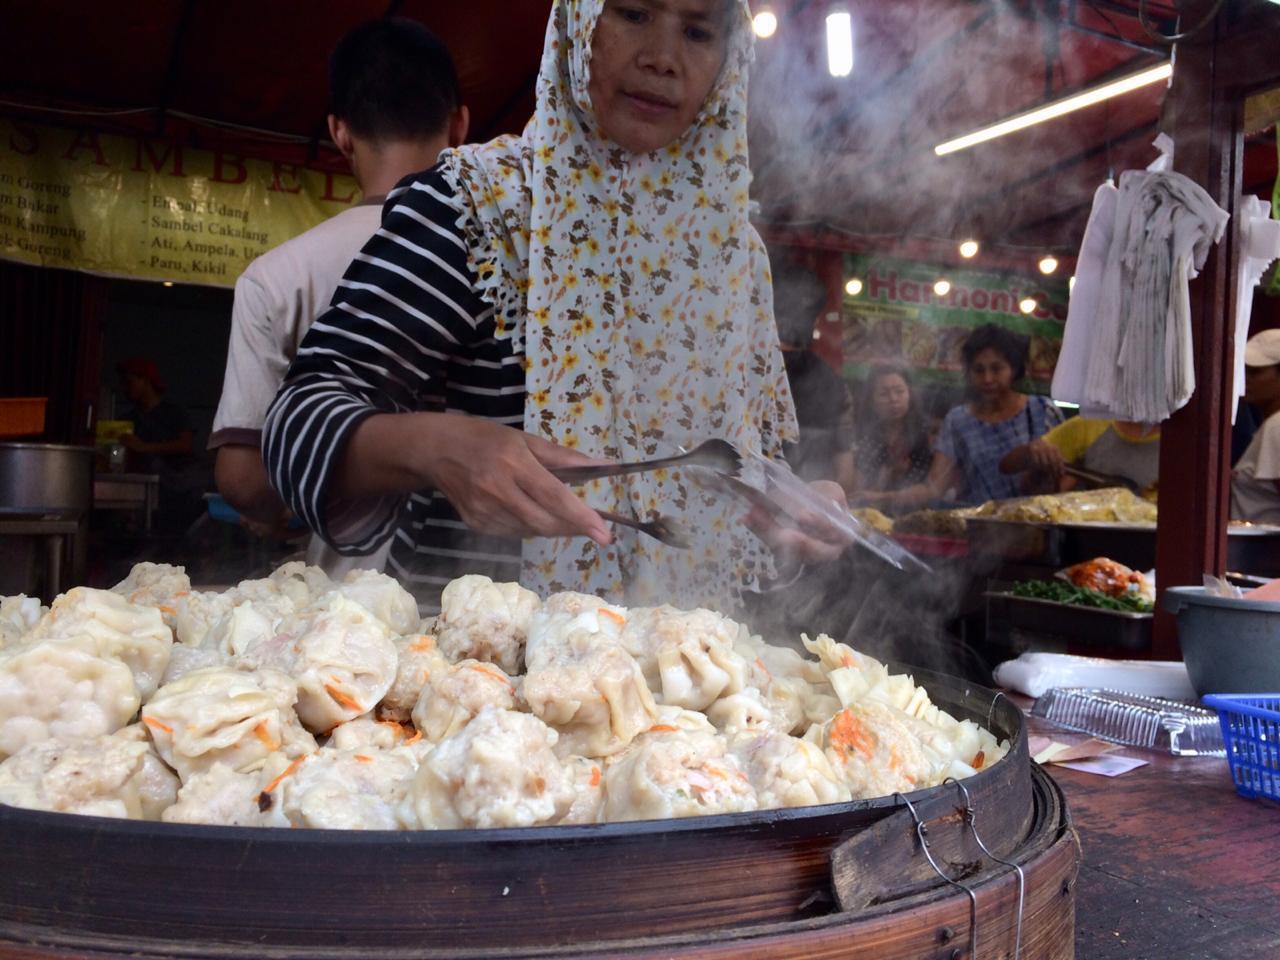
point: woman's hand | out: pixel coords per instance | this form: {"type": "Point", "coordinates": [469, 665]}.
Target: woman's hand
{"type": "Point", "coordinates": [496, 477]}
{"type": "Point", "coordinates": [1045, 458]}
{"type": "Point", "coordinates": [813, 539]}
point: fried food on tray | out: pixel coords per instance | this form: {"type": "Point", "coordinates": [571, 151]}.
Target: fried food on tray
{"type": "Point", "coordinates": [873, 518]}
{"type": "Point", "coordinates": [936, 523]}
{"type": "Point", "coordinates": [1109, 505]}
{"type": "Point", "coordinates": [1108, 577]}
{"type": "Point", "coordinates": [295, 701]}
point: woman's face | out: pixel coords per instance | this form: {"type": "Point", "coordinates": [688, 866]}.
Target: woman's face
{"type": "Point", "coordinates": [653, 64]}
{"type": "Point", "coordinates": [990, 374]}
{"type": "Point", "coordinates": [891, 398]}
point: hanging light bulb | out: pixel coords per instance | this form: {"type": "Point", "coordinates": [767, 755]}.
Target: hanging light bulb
{"type": "Point", "coordinates": [1048, 264]}
{"type": "Point", "coordinates": [969, 249]}
{"type": "Point", "coordinates": [942, 287]}
{"type": "Point", "coordinates": [765, 23]}
{"type": "Point", "coordinates": [1027, 305]}
{"type": "Point", "coordinates": [853, 287]}
{"type": "Point", "coordinates": [839, 40]}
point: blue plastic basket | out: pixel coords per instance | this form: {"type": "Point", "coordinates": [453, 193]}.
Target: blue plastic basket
{"type": "Point", "coordinates": [1251, 732]}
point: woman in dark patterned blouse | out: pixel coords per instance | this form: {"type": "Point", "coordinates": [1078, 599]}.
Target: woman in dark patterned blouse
{"type": "Point", "coordinates": [893, 453]}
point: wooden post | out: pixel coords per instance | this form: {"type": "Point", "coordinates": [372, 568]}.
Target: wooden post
{"type": "Point", "coordinates": [1195, 445]}
{"type": "Point", "coordinates": [1211, 76]}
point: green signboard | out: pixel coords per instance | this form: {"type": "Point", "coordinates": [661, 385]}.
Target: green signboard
{"type": "Point", "coordinates": [899, 317]}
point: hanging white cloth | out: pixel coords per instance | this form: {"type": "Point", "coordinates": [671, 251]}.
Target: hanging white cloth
{"type": "Point", "coordinates": [1127, 351]}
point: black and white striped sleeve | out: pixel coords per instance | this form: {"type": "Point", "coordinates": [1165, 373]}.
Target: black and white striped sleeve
{"type": "Point", "coordinates": [405, 307]}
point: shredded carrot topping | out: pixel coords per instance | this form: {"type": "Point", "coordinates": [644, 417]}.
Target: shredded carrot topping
{"type": "Point", "coordinates": [283, 773]}
{"type": "Point", "coordinates": [613, 615]}
{"type": "Point", "coordinates": [847, 733]}
{"type": "Point", "coordinates": [165, 608]}
{"type": "Point", "coordinates": [153, 722]}
{"type": "Point", "coordinates": [424, 644]}
{"type": "Point", "coordinates": [394, 725]}
{"type": "Point", "coordinates": [707, 768]}
{"type": "Point", "coordinates": [417, 735]}
{"type": "Point", "coordinates": [979, 759]}
{"type": "Point", "coordinates": [343, 698]}
{"type": "Point", "coordinates": [182, 593]}
{"type": "Point", "coordinates": [595, 776]}
{"type": "Point", "coordinates": [760, 664]}
{"type": "Point", "coordinates": [662, 728]}
{"type": "Point", "coordinates": [489, 672]}
{"type": "Point", "coordinates": [263, 734]}
{"type": "Point", "coordinates": [847, 660]}
{"type": "Point", "coordinates": [363, 759]}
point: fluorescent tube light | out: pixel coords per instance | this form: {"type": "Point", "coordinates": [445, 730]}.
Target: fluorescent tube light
{"type": "Point", "coordinates": [839, 41]}
{"type": "Point", "coordinates": [1058, 108]}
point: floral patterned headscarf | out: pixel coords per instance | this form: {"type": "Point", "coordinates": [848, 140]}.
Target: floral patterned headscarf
{"type": "Point", "coordinates": [641, 296]}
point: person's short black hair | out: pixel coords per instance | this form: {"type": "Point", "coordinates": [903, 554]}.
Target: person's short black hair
{"type": "Point", "coordinates": [798, 296]}
{"type": "Point", "coordinates": [1012, 346]}
{"type": "Point", "coordinates": [392, 79]}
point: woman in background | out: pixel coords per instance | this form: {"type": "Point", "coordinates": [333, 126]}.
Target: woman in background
{"type": "Point", "coordinates": [997, 418]}
{"type": "Point", "coordinates": [893, 454]}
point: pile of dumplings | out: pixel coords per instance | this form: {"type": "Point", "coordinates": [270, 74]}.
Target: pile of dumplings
{"type": "Point", "coordinates": [297, 701]}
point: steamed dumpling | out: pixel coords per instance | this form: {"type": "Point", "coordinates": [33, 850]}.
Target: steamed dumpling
{"type": "Point", "coordinates": [18, 614]}
{"type": "Point", "coordinates": [382, 596]}
{"type": "Point", "coordinates": [74, 688]}
{"type": "Point", "coordinates": [587, 776]}
{"type": "Point", "coordinates": [105, 776]}
{"type": "Point", "coordinates": [483, 620]}
{"type": "Point", "coordinates": [134, 634]}
{"type": "Point", "coordinates": [418, 659]}
{"type": "Point", "coordinates": [582, 681]}
{"type": "Point", "coordinates": [787, 771]}
{"type": "Point", "coordinates": [221, 795]}
{"type": "Point", "coordinates": [872, 751]}
{"type": "Point", "coordinates": [347, 789]}
{"type": "Point", "coordinates": [340, 654]}
{"type": "Point", "coordinates": [676, 774]}
{"type": "Point", "coordinates": [456, 693]}
{"type": "Point", "coordinates": [687, 655]}
{"type": "Point", "coordinates": [498, 771]}
{"type": "Point", "coordinates": [747, 711]}
{"type": "Point", "coordinates": [226, 715]}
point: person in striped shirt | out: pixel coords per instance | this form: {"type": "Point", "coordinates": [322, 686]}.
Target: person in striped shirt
{"type": "Point", "coordinates": [396, 104]}
{"type": "Point", "coordinates": [590, 290]}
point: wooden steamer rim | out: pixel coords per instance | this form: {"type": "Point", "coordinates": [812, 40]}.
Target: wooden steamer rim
{"type": "Point", "coordinates": [89, 886]}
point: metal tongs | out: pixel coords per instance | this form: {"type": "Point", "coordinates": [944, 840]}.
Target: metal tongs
{"type": "Point", "coordinates": [756, 481]}
{"type": "Point", "coordinates": [718, 456]}
{"type": "Point", "coordinates": [770, 486]}
{"type": "Point", "coordinates": [1100, 480]}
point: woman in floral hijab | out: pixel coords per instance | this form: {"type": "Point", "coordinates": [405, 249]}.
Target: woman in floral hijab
{"type": "Point", "coordinates": [632, 277]}
{"type": "Point", "coordinates": [612, 241]}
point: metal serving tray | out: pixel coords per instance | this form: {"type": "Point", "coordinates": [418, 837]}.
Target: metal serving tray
{"type": "Point", "coordinates": [1078, 625]}
{"type": "Point", "coordinates": [1251, 549]}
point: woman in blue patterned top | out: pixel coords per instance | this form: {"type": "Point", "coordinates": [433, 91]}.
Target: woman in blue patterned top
{"type": "Point", "coordinates": [996, 419]}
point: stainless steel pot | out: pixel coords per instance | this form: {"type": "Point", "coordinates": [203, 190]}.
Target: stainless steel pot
{"type": "Point", "coordinates": [45, 478]}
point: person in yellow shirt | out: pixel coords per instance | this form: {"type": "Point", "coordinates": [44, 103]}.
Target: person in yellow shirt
{"type": "Point", "coordinates": [1112, 448]}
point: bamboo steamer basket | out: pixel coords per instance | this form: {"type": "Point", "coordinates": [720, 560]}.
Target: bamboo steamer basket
{"type": "Point", "coordinates": [803, 882]}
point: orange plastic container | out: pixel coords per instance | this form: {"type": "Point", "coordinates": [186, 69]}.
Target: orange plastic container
{"type": "Point", "coordinates": [22, 416]}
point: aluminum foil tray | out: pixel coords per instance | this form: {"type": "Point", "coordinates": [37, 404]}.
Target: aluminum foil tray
{"type": "Point", "coordinates": [1182, 729]}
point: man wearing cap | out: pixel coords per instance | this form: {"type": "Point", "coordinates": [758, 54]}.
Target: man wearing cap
{"type": "Point", "coordinates": [1255, 481]}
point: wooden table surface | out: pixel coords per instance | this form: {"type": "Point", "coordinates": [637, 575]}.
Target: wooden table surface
{"type": "Point", "coordinates": [1177, 866]}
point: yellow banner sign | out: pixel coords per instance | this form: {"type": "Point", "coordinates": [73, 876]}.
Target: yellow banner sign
{"type": "Point", "coordinates": [151, 209]}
